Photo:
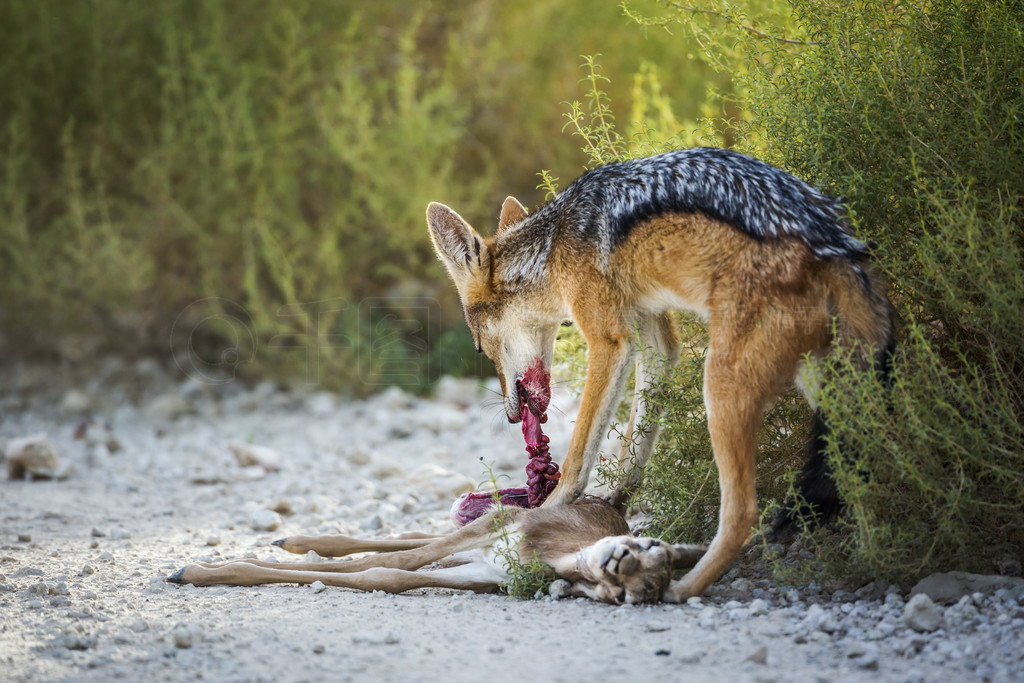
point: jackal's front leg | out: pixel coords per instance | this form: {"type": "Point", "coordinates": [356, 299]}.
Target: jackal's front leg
{"type": "Point", "coordinates": [608, 365]}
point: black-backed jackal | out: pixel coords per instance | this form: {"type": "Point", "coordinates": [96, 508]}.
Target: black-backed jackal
{"type": "Point", "coordinates": [762, 256]}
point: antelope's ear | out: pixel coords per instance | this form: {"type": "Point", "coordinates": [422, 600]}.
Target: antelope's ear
{"type": "Point", "coordinates": [458, 245]}
{"type": "Point", "coordinates": [511, 213]}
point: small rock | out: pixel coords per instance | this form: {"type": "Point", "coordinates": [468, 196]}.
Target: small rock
{"type": "Point", "coordinates": [265, 520]}
{"type": "Point", "coordinates": [695, 601]}
{"type": "Point", "coordinates": [187, 635]}
{"type": "Point", "coordinates": [75, 402]}
{"type": "Point", "coordinates": [213, 540]}
{"type": "Point", "coordinates": [388, 638]}
{"type": "Point", "coordinates": [35, 604]}
{"type": "Point", "coordinates": [319, 649]}
{"type": "Point", "coordinates": [864, 656]}
{"type": "Point", "coordinates": [358, 457]}
{"type": "Point", "coordinates": [106, 556]}
{"type": "Point", "coordinates": [951, 586]}
{"type": "Point", "coordinates": [168, 407]}
{"type": "Point", "coordinates": [32, 457]}
{"type": "Point", "coordinates": [283, 507]}
{"type": "Point", "coordinates": [250, 455]}
{"type": "Point", "coordinates": [706, 618]}
{"type": "Point", "coordinates": [758, 656]}
{"type": "Point", "coordinates": [921, 614]}
{"type": "Point", "coordinates": [24, 538]}
{"type": "Point", "coordinates": [656, 626]}
{"type": "Point", "coordinates": [140, 625]}
{"type": "Point", "coordinates": [119, 534]}
{"type": "Point", "coordinates": [97, 533]}
{"type": "Point", "coordinates": [317, 587]}
{"type": "Point", "coordinates": [560, 588]}
{"type": "Point", "coordinates": [757, 607]}
{"type": "Point", "coordinates": [28, 571]}
{"type": "Point", "coordinates": [73, 641]}
{"type": "Point", "coordinates": [97, 434]}
{"type": "Point", "coordinates": [60, 601]}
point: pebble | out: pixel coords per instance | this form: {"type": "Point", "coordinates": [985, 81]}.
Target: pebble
{"type": "Point", "coordinates": [560, 588]}
{"type": "Point", "coordinates": [27, 571]}
{"type": "Point", "coordinates": [758, 607]}
{"type": "Point", "coordinates": [32, 457]}
{"type": "Point", "coordinates": [388, 638]}
{"type": "Point", "coordinates": [921, 614]}
{"type": "Point", "coordinates": [187, 635]}
{"type": "Point", "coordinates": [75, 401]}
{"type": "Point", "coordinates": [250, 455]}
{"type": "Point", "coordinates": [759, 656]}
{"type": "Point", "coordinates": [317, 587]}
{"type": "Point", "coordinates": [24, 538]}
{"type": "Point", "coordinates": [168, 407]}
{"type": "Point", "coordinates": [265, 520]}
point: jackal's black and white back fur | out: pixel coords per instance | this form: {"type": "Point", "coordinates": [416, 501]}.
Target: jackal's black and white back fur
{"type": "Point", "coordinates": [603, 205]}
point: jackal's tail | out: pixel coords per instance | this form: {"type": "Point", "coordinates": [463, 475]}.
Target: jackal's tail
{"type": "Point", "coordinates": [864, 322]}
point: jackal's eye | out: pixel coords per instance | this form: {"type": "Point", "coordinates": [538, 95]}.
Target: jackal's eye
{"type": "Point", "coordinates": [479, 349]}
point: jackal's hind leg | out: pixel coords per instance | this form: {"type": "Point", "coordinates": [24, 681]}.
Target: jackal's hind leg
{"type": "Point", "coordinates": [750, 359]}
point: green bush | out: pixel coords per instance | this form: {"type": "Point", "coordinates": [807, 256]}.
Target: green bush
{"type": "Point", "coordinates": [912, 113]}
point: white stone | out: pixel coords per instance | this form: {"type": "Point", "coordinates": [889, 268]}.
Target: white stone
{"type": "Point", "coordinates": [265, 520]}
{"type": "Point", "coordinates": [168, 407]}
{"type": "Point", "coordinates": [251, 455]}
{"type": "Point", "coordinates": [32, 456]}
{"type": "Point", "coordinates": [187, 635]}
{"type": "Point", "coordinates": [921, 614]}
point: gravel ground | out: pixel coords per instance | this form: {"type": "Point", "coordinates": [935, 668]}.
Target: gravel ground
{"type": "Point", "coordinates": [148, 480]}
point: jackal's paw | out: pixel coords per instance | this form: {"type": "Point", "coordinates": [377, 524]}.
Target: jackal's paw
{"type": "Point", "coordinates": [628, 569]}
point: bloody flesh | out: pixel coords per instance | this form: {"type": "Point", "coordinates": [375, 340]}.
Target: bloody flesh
{"type": "Point", "coordinates": [541, 474]}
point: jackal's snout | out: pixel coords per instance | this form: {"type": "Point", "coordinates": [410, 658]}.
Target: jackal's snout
{"type": "Point", "coordinates": [533, 389]}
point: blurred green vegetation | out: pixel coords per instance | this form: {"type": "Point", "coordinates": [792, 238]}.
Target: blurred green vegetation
{"type": "Point", "coordinates": [247, 181]}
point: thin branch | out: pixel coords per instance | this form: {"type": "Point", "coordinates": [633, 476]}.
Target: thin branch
{"type": "Point", "coordinates": [749, 29]}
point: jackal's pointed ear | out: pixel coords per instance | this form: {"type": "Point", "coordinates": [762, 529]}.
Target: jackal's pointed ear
{"type": "Point", "coordinates": [511, 213]}
{"type": "Point", "coordinates": [459, 246]}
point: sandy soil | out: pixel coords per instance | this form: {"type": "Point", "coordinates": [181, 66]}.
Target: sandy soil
{"type": "Point", "coordinates": [83, 558]}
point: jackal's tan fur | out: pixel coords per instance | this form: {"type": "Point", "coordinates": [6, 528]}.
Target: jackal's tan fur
{"type": "Point", "coordinates": [770, 304]}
